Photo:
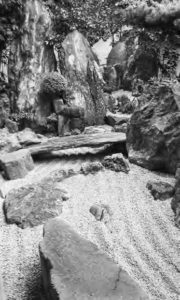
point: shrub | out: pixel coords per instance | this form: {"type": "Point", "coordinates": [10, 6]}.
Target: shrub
{"type": "Point", "coordinates": [53, 84]}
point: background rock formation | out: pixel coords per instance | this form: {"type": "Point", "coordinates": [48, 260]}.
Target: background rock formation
{"type": "Point", "coordinates": [153, 137]}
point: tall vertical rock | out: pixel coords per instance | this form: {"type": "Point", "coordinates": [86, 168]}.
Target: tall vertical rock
{"type": "Point", "coordinates": [84, 77]}
{"type": "Point", "coordinates": [33, 57]}
{"type": "Point", "coordinates": [27, 56]}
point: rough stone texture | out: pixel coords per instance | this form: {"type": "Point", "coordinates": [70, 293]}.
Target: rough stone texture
{"type": "Point", "coordinates": [4, 108]}
{"type": "Point", "coordinates": [39, 57]}
{"type": "Point", "coordinates": [117, 119]}
{"type": "Point", "coordinates": [11, 126]}
{"type": "Point", "coordinates": [153, 137]}
{"type": "Point", "coordinates": [116, 66]}
{"type": "Point", "coordinates": [28, 58]}
{"type": "Point", "coordinates": [92, 167]}
{"type": "Point", "coordinates": [110, 101]}
{"type": "Point", "coordinates": [33, 204]}
{"type": "Point", "coordinates": [175, 204]}
{"type": "Point", "coordinates": [116, 162]}
{"type": "Point", "coordinates": [81, 140]}
{"type": "Point", "coordinates": [74, 268]}
{"type": "Point", "coordinates": [16, 164]}
{"type": "Point", "coordinates": [98, 129]}
{"type": "Point", "coordinates": [27, 137]}
{"type": "Point", "coordinates": [121, 128]}
{"type": "Point", "coordinates": [84, 77]}
{"type": "Point", "coordinates": [8, 142]}
{"type": "Point", "coordinates": [160, 190]}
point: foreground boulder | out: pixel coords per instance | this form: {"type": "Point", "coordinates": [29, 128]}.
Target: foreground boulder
{"type": "Point", "coordinates": [74, 268]}
{"type": "Point", "coordinates": [34, 204]}
{"type": "Point", "coordinates": [153, 136]}
{"type": "Point", "coordinates": [175, 204]}
{"type": "Point", "coordinates": [160, 190]}
{"type": "Point", "coordinates": [116, 162]}
{"type": "Point", "coordinates": [16, 164]}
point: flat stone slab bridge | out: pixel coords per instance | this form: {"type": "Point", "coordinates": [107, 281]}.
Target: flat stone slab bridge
{"type": "Point", "coordinates": [78, 141]}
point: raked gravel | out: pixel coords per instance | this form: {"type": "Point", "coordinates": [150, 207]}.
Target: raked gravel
{"type": "Point", "coordinates": [140, 237]}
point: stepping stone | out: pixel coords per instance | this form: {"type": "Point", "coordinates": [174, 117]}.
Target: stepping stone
{"type": "Point", "coordinates": [34, 204]}
{"type": "Point", "coordinates": [74, 268]}
{"type": "Point", "coordinates": [16, 164]}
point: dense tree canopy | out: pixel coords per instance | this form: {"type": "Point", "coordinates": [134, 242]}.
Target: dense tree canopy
{"type": "Point", "coordinates": [155, 13]}
{"type": "Point", "coordinates": [94, 18]}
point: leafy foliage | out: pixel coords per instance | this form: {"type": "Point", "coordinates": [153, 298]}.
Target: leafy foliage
{"type": "Point", "coordinates": [53, 84]}
{"type": "Point", "coordinates": [153, 13]}
{"type": "Point", "coordinates": [94, 18]}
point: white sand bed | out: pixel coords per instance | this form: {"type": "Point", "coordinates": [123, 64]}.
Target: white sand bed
{"type": "Point", "coordinates": [141, 235]}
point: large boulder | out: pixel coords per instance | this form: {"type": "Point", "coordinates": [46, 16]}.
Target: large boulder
{"type": "Point", "coordinates": [16, 164]}
{"type": "Point", "coordinates": [84, 77]}
{"type": "Point", "coordinates": [74, 268]}
{"type": "Point", "coordinates": [34, 204]}
{"type": "Point", "coordinates": [153, 136]}
{"type": "Point", "coordinates": [175, 204]}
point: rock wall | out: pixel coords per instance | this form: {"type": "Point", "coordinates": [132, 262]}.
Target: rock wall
{"type": "Point", "coordinates": [28, 56]}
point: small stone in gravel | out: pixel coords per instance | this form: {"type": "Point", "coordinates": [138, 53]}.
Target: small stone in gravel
{"type": "Point", "coordinates": [65, 194]}
{"type": "Point", "coordinates": [101, 212]}
{"type": "Point", "coordinates": [91, 168]}
{"type": "Point", "coordinates": [116, 162]}
{"type": "Point", "coordinates": [160, 190]}
{"type": "Point", "coordinates": [74, 268]}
